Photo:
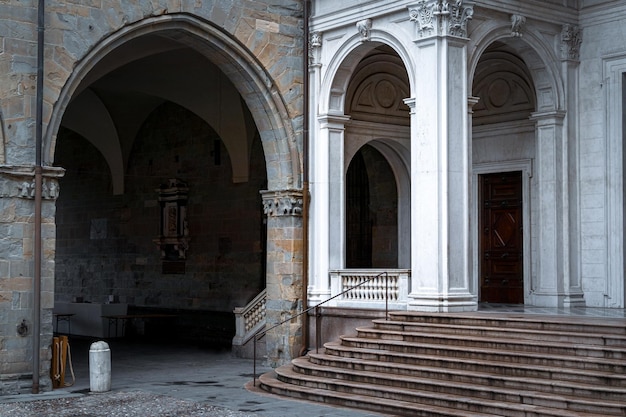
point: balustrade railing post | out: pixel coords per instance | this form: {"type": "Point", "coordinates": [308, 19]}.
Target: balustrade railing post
{"type": "Point", "coordinates": [318, 314]}
{"type": "Point", "coordinates": [386, 296]}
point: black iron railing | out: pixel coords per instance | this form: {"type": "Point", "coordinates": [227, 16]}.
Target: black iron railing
{"type": "Point", "coordinates": [260, 335]}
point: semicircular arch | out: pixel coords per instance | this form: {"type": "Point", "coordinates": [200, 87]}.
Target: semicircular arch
{"type": "Point", "coordinates": [334, 86]}
{"type": "Point", "coordinates": [536, 54]}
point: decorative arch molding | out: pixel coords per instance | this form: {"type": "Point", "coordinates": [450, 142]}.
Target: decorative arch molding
{"type": "Point", "coordinates": [504, 87]}
{"type": "Point", "coordinates": [346, 59]}
{"type": "Point", "coordinates": [378, 88]}
{"type": "Point", "coordinates": [243, 69]}
{"type": "Point", "coordinates": [539, 57]}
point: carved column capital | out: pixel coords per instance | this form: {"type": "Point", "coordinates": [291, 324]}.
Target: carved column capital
{"type": "Point", "coordinates": [19, 181]}
{"type": "Point", "coordinates": [460, 12]}
{"type": "Point", "coordinates": [442, 17]}
{"type": "Point", "coordinates": [423, 14]}
{"type": "Point", "coordinates": [315, 44]}
{"type": "Point", "coordinates": [278, 203]}
{"type": "Point", "coordinates": [571, 38]}
{"type": "Point", "coordinates": [315, 41]}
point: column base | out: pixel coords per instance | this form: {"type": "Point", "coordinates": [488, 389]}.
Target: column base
{"type": "Point", "coordinates": [448, 303]}
{"type": "Point", "coordinates": [558, 300]}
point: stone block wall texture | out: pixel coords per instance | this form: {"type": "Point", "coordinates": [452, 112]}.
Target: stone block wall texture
{"type": "Point", "coordinates": [271, 31]}
{"type": "Point", "coordinates": [224, 265]}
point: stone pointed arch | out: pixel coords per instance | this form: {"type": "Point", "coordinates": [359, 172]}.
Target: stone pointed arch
{"type": "Point", "coordinates": [252, 81]}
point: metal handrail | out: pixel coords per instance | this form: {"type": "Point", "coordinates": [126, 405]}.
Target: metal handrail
{"type": "Point", "coordinates": [316, 308]}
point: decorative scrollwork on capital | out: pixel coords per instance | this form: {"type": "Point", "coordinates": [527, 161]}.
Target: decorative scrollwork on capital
{"type": "Point", "coordinates": [459, 14]}
{"type": "Point", "coordinates": [442, 17]}
{"type": "Point", "coordinates": [315, 40]}
{"type": "Point", "coordinates": [424, 15]}
{"type": "Point", "coordinates": [364, 27]}
{"type": "Point", "coordinates": [282, 203]}
{"type": "Point", "coordinates": [517, 22]}
{"type": "Point", "coordinates": [571, 38]}
{"type": "Point", "coordinates": [315, 43]}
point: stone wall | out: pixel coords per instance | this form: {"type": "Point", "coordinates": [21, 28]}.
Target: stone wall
{"type": "Point", "coordinates": [79, 34]}
{"type": "Point", "coordinates": [601, 70]}
{"type": "Point", "coordinates": [224, 265]}
{"type": "Point", "coordinates": [17, 207]}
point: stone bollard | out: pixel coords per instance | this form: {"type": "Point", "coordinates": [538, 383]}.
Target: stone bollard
{"type": "Point", "coordinates": [99, 367]}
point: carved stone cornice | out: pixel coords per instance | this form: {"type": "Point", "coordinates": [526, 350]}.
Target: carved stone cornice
{"type": "Point", "coordinates": [278, 203]}
{"type": "Point", "coordinates": [571, 38]}
{"type": "Point", "coordinates": [442, 17]}
{"type": "Point", "coordinates": [19, 181]}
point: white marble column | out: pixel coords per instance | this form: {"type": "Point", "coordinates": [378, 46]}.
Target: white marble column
{"type": "Point", "coordinates": [553, 285]}
{"type": "Point", "coordinates": [558, 282]}
{"type": "Point", "coordinates": [570, 50]}
{"type": "Point", "coordinates": [440, 160]}
{"type": "Point", "coordinates": [327, 235]}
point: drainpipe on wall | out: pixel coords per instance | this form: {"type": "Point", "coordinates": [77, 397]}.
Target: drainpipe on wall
{"type": "Point", "coordinates": [305, 178]}
{"type": "Point", "coordinates": [38, 189]}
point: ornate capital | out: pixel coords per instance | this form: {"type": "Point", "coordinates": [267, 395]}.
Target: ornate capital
{"type": "Point", "coordinates": [571, 38]}
{"type": "Point", "coordinates": [517, 22]}
{"type": "Point", "coordinates": [423, 15]}
{"type": "Point", "coordinates": [442, 17]}
{"type": "Point", "coordinates": [315, 43]}
{"type": "Point", "coordinates": [19, 181]}
{"type": "Point", "coordinates": [282, 203]}
{"type": "Point", "coordinates": [364, 27]}
{"type": "Point", "coordinates": [460, 12]}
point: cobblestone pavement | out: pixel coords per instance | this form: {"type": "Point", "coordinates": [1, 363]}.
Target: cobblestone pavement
{"type": "Point", "coordinates": [115, 404]}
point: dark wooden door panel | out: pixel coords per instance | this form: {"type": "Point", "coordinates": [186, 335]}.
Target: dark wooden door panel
{"type": "Point", "coordinates": [501, 250]}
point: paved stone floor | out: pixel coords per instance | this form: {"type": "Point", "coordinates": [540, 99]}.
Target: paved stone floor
{"type": "Point", "coordinates": [166, 379]}
{"type": "Point", "coordinates": [572, 312]}
{"type": "Point", "coordinates": [152, 380]}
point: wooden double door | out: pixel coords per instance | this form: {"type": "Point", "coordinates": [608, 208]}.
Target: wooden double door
{"type": "Point", "coordinates": [501, 238]}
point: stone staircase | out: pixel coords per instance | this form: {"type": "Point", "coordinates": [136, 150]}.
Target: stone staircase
{"type": "Point", "coordinates": [470, 364]}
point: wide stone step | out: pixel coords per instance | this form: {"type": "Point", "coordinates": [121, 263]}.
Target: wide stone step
{"type": "Point", "coordinates": [466, 364]}
{"type": "Point", "coordinates": [538, 345]}
{"type": "Point", "coordinates": [471, 365]}
{"type": "Point", "coordinates": [478, 353]}
{"type": "Point", "coordinates": [583, 325]}
{"type": "Point", "coordinates": [557, 336]}
{"type": "Point", "coordinates": [525, 395]}
{"type": "Point", "coordinates": [513, 407]}
{"type": "Point", "coordinates": [493, 381]}
{"type": "Point", "coordinates": [270, 383]}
